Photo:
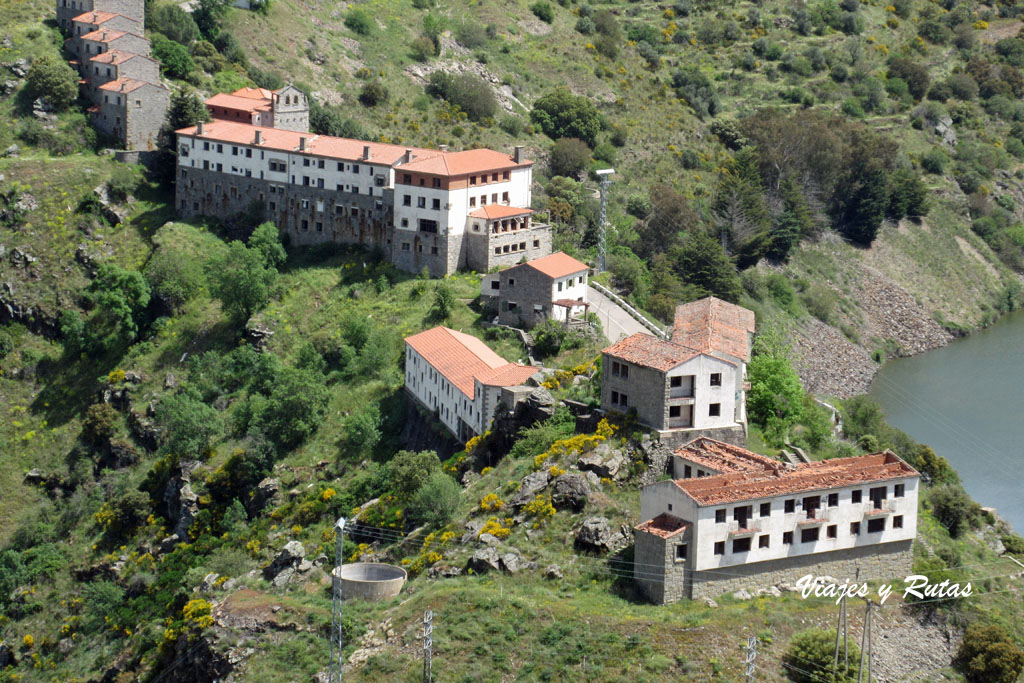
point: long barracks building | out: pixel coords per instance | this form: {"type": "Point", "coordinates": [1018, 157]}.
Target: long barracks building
{"type": "Point", "coordinates": [426, 208]}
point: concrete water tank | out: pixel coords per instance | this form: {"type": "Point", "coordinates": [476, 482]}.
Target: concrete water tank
{"type": "Point", "coordinates": [370, 581]}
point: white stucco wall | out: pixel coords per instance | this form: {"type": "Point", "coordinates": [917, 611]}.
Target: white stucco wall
{"type": "Point", "coordinates": [704, 394]}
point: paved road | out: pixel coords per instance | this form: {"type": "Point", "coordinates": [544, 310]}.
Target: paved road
{"type": "Point", "coordinates": [615, 321]}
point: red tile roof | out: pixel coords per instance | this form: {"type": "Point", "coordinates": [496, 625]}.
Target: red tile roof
{"type": "Point", "coordinates": [461, 358]}
{"type": "Point", "coordinates": [127, 85]}
{"type": "Point", "coordinates": [557, 265]}
{"type": "Point", "coordinates": [463, 163]}
{"type": "Point", "coordinates": [711, 326]}
{"type": "Point", "coordinates": [117, 57]}
{"type": "Point", "coordinates": [664, 525]}
{"type": "Point", "coordinates": [106, 35]}
{"type": "Point", "coordinates": [227, 101]}
{"type": "Point", "coordinates": [650, 352]}
{"type": "Point", "coordinates": [724, 457]}
{"type": "Point", "coordinates": [98, 17]}
{"type": "Point", "coordinates": [497, 211]}
{"type": "Point", "coordinates": [812, 476]}
{"type": "Point", "coordinates": [254, 93]}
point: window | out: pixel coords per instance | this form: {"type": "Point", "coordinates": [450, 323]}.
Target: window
{"type": "Point", "coordinates": [472, 201]}
{"type": "Point", "coordinates": [407, 178]}
{"type": "Point", "coordinates": [720, 548]}
{"type": "Point", "coordinates": [741, 545]}
{"type": "Point", "coordinates": [674, 411]}
{"type": "Point", "coordinates": [435, 204]}
{"type": "Point", "coordinates": [615, 398]}
{"type": "Point", "coordinates": [790, 505]}
{"type": "Point", "coordinates": [833, 500]}
{"type": "Point", "coordinates": [319, 226]}
{"type": "Point", "coordinates": [787, 538]}
{"type": "Point", "coordinates": [406, 200]}
{"type": "Point", "coordinates": [763, 541]}
{"type": "Point", "coordinates": [897, 522]}
{"type": "Point", "coordinates": [857, 495]}
{"type": "Point", "coordinates": [766, 509]}
{"type": "Point", "coordinates": [876, 526]}
{"type": "Point", "coordinates": [810, 535]}
{"type": "Point", "coordinates": [504, 197]}
{"type": "Point", "coordinates": [305, 162]}
{"type": "Point", "coordinates": [511, 282]}
{"type": "Point", "coordinates": [536, 244]}
{"type": "Point", "coordinates": [623, 400]}
{"type": "Point", "coordinates": [405, 222]}
{"type": "Point", "coordinates": [437, 182]}
{"type": "Point", "coordinates": [681, 552]}
{"type": "Point", "coordinates": [428, 226]}
{"type": "Point", "coordinates": [687, 472]}
{"type": "Point", "coordinates": [830, 531]}
{"type": "Point", "coordinates": [472, 179]}
{"type": "Point", "coordinates": [355, 168]}
{"type": "Point", "coordinates": [716, 379]}
{"type": "Point", "coordinates": [305, 225]}
{"type": "Point", "coordinates": [495, 284]}
{"type": "Point", "coordinates": [234, 151]}
{"type": "Point", "coordinates": [421, 202]}
{"type": "Point", "coordinates": [559, 286]}
{"type": "Point", "coordinates": [898, 491]}
{"type": "Point", "coordinates": [855, 528]}
{"type": "Point", "coordinates": [720, 516]}
{"type": "Point", "coordinates": [715, 409]}
{"type": "Point", "coordinates": [624, 371]}
{"type": "Point", "coordinates": [675, 382]}
{"type": "Point", "coordinates": [494, 198]}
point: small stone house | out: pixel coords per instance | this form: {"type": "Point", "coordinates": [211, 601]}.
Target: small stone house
{"type": "Point", "coordinates": [459, 379]}
{"type": "Point", "coordinates": [132, 112]}
{"type": "Point", "coordinates": [761, 523]}
{"type": "Point", "coordinates": [67, 10]}
{"type": "Point", "coordinates": [87, 22]}
{"type": "Point", "coordinates": [114, 65]}
{"type": "Point", "coordinates": [104, 40]}
{"type": "Point", "coordinates": [552, 287]}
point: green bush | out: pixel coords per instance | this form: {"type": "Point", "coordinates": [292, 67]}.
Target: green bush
{"type": "Point", "coordinates": [543, 11]}
{"type": "Point", "coordinates": [561, 114]}
{"type": "Point", "coordinates": [934, 161]}
{"type": "Point", "coordinates": [51, 79]}
{"type": "Point", "coordinates": [174, 58]}
{"type": "Point", "coordinates": [189, 425]}
{"type": "Point", "coordinates": [471, 35]}
{"type": "Point", "coordinates": [372, 94]}
{"type": "Point", "coordinates": [408, 471]}
{"type": "Point", "coordinates": [569, 156]}
{"type": "Point", "coordinates": [810, 658]}
{"type": "Point", "coordinates": [954, 509]}
{"type": "Point", "coordinates": [696, 88]}
{"type": "Point", "coordinates": [100, 424]}
{"type": "Point", "coordinates": [173, 278]}
{"type": "Point", "coordinates": [359, 21]}
{"type": "Point", "coordinates": [467, 91]}
{"type": "Point", "coordinates": [988, 655]}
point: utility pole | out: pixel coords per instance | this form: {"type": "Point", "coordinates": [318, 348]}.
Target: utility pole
{"type": "Point", "coordinates": [428, 644]}
{"type": "Point", "coordinates": [602, 243]}
{"type": "Point", "coordinates": [865, 644]}
{"type": "Point", "coordinates": [841, 623]}
{"type": "Point", "coordinates": [336, 630]}
{"type": "Point", "coordinates": [748, 674]}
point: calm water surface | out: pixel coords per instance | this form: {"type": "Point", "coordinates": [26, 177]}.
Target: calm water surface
{"type": "Point", "coordinates": [966, 401]}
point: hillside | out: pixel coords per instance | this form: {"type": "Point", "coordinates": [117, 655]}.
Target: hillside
{"type": "Point", "coordinates": [183, 409]}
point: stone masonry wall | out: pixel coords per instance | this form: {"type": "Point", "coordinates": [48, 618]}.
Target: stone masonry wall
{"type": "Point", "coordinates": [134, 9]}
{"type": "Point", "coordinates": [736, 435]}
{"type": "Point", "coordinates": [645, 389]}
{"type": "Point", "coordinates": [480, 247]}
{"type": "Point", "coordinates": [889, 560]}
{"type": "Point", "coordinates": [660, 577]}
{"type": "Point", "coordinates": [143, 121]}
{"type": "Point", "coordinates": [531, 288]}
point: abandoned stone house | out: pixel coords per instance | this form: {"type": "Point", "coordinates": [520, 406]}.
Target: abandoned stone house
{"type": "Point", "coordinates": [106, 39]}
{"type": "Point", "coordinates": [286, 108]}
{"type": "Point", "coordinates": [751, 522]}
{"type": "Point", "coordinates": [414, 204]}
{"type": "Point", "coordinates": [552, 287]}
{"type": "Point", "coordinates": [459, 378]}
{"type": "Point", "coordinates": [690, 385]}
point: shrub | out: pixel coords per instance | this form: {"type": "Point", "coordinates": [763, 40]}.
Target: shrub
{"type": "Point", "coordinates": [470, 34]}
{"type": "Point", "coordinates": [915, 75]}
{"type": "Point", "coordinates": [99, 424]}
{"type": "Point", "coordinates": [569, 156]}
{"type": "Point", "coordinates": [953, 508]}
{"type": "Point", "coordinates": [175, 23]}
{"type": "Point", "coordinates": [241, 280]}
{"type": "Point", "coordinates": [408, 471]}
{"type": "Point", "coordinates": [6, 343]}
{"type": "Point", "coordinates": [174, 58]}
{"type": "Point", "coordinates": [561, 114]}
{"type": "Point", "coordinates": [467, 91]}
{"type": "Point", "coordinates": [585, 25]}
{"type": "Point", "coordinates": [436, 501]}
{"type": "Point", "coordinates": [189, 425]}
{"type": "Point", "coordinates": [987, 654]}
{"type": "Point", "coordinates": [963, 86]}
{"type": "Point", "coordinates": [421, 49]}
{"type": "Point", "coordinates": [362, 429]}
{"type": "Point", "coordinates": [695, 87]}
{"type": "Point", "coordinates": [296, 406]}
{"type": "Point", "coordinates": [173, 278]}
{"type": "Point", "coordinates": [810, 658]}
{"type": "Point", "coordinates": [543, 11]}
{"type": "Point", "coordinates": [934, 161]}
{"type": "Point", "coordinates": [51, 79]}
{"type": "Point", "coordinates": [372, 94]}
{"type": "Point", "coordinates": [607, 46]}
{"type": "Point", "coordinates": [359, 21]}
{"type": "Point", "coordinates": [548, 338]}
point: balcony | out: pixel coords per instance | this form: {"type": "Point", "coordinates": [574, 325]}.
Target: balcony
{"type": "Point", "coordinates": [681, 392]}
{"type": "Point", "coordinates": [816, 518]}
{"type": "Point", "coordinates": [880, 509]}
{"type": "Point", "coordinates": [745, 529]}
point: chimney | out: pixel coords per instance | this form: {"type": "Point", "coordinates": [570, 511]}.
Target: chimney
{"type": "Point", "coordinates": [517, 155]}
{"type": "Point", "coordinates": [95, 16]}
{"type": "Point", "coordinates": [103, 36]}
{"type": "Point", "coordinates": [259, 137]}
{"type": "Point", "coordinates": [408, 156]}
{"type": "Point", "coordinates": [366, 152]}
{"type": "Point", "coordinates": [199, 128]}
{"type": "Point", "coordinates": [302, 144]}
{"type": "Point", "coordinates": [443, 148]}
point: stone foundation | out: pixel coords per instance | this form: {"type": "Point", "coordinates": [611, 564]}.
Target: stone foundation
{"type": "Point", "coordinates": [886, 560]}
{"type": "Point", "coordinates": [735, 434]}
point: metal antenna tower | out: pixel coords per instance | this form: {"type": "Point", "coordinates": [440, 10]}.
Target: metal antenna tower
{"type": "Point", "coordinates": [748, 673]}
{"type": "Point", "coordinates": [336, 630]}
{"type": "Point", "coordinates": [602, 245]}
{"type": "Point", "coordinates": [428, 644]}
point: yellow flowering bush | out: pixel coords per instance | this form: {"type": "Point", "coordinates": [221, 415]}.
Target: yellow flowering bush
{"type": "Point", "coordinates": [116, 376]}
{"type": "Point", "coordinates": [980, 25]}
{"type": "Point", "coordinates": [555, 471]}
{"type": "Point", "coordinates": [540, 509]}
{"type": "Point", "coordinates": [574, 445]}
{"type": "Point", "coordinates": [491, 503]}
{"type": "Point", "coordinates": [28, 640]}
{"type": "Point", "coordinates": [327, 494]}
{"type": "Point", "coordinates": [197, 613]}
{"type": "Point", "coordinates": [496, 527]}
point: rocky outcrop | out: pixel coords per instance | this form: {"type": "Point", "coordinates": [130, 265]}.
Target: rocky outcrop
{"type": "Point", "coordinates": [604, 461]}
{"type": "Point", "coordinates": [529, 487]}
{"type": "Point", "coordinates": [570, 491]}
{"type": "Point", "coordinates": [484, 560]}
{"type": "Point", "coordinates": [596, 535]}
{"type": "Point", "coordinates": [289, 561]}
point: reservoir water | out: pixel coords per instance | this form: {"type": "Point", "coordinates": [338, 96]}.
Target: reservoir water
{"type": "Point", "coordinates": [966, 401]}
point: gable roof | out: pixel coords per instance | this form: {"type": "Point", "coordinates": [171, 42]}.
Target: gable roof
{"type": "Point", "coordinates": [557, 265]}
{"type": "Point", "coordinates": [115, 56]}
{"type": "Point", "coordinates": [127, 85]}
{"type": "Point", "coordinates": [712, 325]}
{"type": "Point", "coordinates": [233, 101]}
{"type": "Point", "coordinates": [254, 93]}
{"type": "Point", "coordinates": [810, 476]}
{"type": "Point", "coordinates": [105, 35]}
{"type": "Point", "coordinates": [98, 17]}
{"type": "Point", "coordinates": [651, 352]}
{"type": "Point", "coordinates": [725, 457]}
{"type": "Point", "coordinates": [496, 211]}
{"type": "Point", "coordinates": [463, 163]}
{"type": "Point", "coordinates": [461, 359]}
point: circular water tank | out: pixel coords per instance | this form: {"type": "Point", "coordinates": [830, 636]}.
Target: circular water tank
{"type": "Point", "coordinates": [370, 581]}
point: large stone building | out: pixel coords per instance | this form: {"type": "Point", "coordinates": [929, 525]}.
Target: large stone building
{"type": "Point", "coordinates": [106, 40]}
{"type": "Point", "coordinates": [750, 522]}
{"type": "Point", "coordinates": [691, 385]}
{"type": "Point", "coordinates": [287, 108]}
{"type": "Point", "coordinates": [552, 287]}
{"type": "Point", "coordinates": [414, 204]}
{"type": "Point", "coordinates": [458, 378]}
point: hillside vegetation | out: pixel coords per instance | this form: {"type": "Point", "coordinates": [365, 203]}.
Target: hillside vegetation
{"type": "Point", "coordinates": [187, 406]}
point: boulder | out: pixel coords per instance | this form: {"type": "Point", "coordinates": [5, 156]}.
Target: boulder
{"type": "Point", "coordinates": [257, 334]}
{"type": "Point", "coordinates": [443, 572]}
{"type": "Point", "coordinates": [570, 491]}
{"type": "Point", "coordinates": [742, 595]}
{"type": "Point", "coordinates": [529, 487]}
{"type": "Point", "coordinates": [605, 462]}
{"type": "Point", "coordinates": [267, 492]}
{"type": "Point", "coordinates": [489, 540]}
{"type": "Point", "coordinates": [484, 560]}
{"type": "Point", "coordinates": [541, 404]}
{"type": "Point", "coordinates": [8, 655]}
{"type": "Point", "coordinates": [34, 477]}
{"type": "Point", "coordinates": [510, 563]}
{"type": "Point", "coordinates": [11, 151]}
{"type": "Point", "coordinates": [552, 571]}
{"type": "Point", "coordinates": [708, 602]}
{"type": "Point", "coordinates": [771, 591]}
{"type": "Point", "coordinates": [170, 381]}
{"type": "Point", "coordinates": [186, 510]}
{"type": "Point", "coordinates": [19, 68]}
{"type": "Point", "coordinates": [283, 567]}
{"type": "Point", "coordinates": [596, 535]}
